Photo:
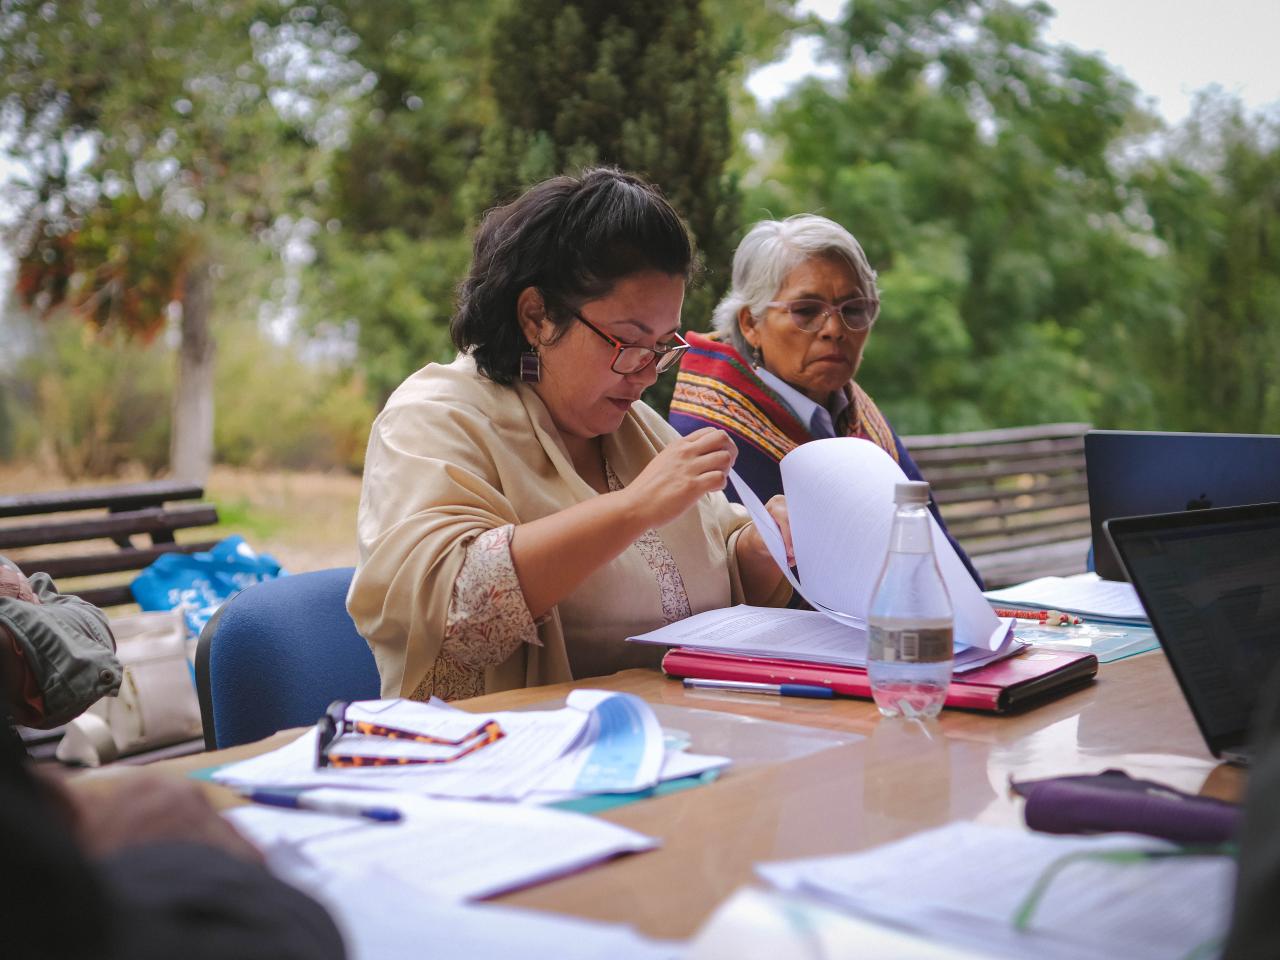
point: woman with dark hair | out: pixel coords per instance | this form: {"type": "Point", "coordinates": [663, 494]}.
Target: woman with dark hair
{"type": "Point", "coordinates": [522, 513]}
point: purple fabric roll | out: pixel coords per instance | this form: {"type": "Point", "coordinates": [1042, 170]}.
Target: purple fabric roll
{"type": "Point", "coordinates": [1114, 802]}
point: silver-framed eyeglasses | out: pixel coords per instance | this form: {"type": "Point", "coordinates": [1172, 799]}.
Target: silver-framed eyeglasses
{"type": "Point", "coordinates": [856, 313]}
{"type": "Point", "coordinates": [631, 358]}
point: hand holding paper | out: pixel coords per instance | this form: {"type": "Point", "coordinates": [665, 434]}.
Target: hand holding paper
{"type": "Point", "coordinates": [840, 507]}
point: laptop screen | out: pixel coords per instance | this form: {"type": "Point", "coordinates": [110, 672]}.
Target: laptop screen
{"type": "Point", "coordinates": [1210, 582]}
{"type": "Point", "coordinates": [1133, 473]}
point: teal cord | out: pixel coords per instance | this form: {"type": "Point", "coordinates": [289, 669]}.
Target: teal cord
{"type": "Point", "coordinates": [1022, 916]}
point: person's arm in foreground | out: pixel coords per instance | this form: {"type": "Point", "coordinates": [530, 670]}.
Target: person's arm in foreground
{"type": "Point", "coordinates": [138, 866]}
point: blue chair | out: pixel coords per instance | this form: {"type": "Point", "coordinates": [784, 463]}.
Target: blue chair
{"type": "Point", "coordinates": [276, 655]}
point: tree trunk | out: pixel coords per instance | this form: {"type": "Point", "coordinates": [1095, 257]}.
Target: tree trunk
{"type": "Point", "coordinates": [191, 440]}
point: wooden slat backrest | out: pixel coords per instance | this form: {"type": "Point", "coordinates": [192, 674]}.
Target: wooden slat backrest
{"type": "Point", "coordinates": [157, 521]}
{"type": "Point", "coordinates": [1012, 497]}
{"type": "Point", "coordinates": [131, 496]}
{"type": "Point", "coordinates": [114, 515]}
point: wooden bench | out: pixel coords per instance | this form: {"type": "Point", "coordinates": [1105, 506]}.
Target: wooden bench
{"type": "Point", "coordinates": [1016, 499]}
{"type": "Point", "coordinates": [136, 521]}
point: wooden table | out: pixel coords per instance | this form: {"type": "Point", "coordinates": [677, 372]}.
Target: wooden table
{"type": "Point", "coordinates": [890, 781]}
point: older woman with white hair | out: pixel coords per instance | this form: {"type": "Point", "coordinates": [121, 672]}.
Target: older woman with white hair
{"type": "Point", "coordinates": [780, 369]}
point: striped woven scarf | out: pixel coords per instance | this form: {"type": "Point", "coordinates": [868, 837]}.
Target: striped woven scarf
{"type": "Point", "coordinates": [716, 385]}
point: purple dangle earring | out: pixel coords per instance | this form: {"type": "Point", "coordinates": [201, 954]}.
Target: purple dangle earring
{"type": "Point", "coordinates": [530, 366]}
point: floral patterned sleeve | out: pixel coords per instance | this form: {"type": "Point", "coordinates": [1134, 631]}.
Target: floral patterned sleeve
{"type": "Point", "coordinates": [487, 621]}
{"type": "Point", "coordinates": [488, 618]}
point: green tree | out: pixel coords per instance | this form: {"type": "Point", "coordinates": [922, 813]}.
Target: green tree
{"type": "Point", "coordinates": [1214, 195]}
{"type": "Point", "coordinates": [977, 165]}
{"type": "Point", "coordinates": [403, 201]}
{"type": "Point", "coordinates": [641, 86]}
{"type": "Point", "coordinates": [158, 146]}
{"type": "Point", "coordinates": [398, 238]}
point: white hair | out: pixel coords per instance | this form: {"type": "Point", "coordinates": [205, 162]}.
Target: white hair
{"type": "Point", "coordinates": [770, 251]}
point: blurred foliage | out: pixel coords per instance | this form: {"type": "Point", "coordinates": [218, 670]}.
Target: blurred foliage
{"type": "Point", "coordinates": [639, 86]}
{"type": "Point", "coordinates": [977, 167]}
{"type": "Point", "coordinates": [474, 101]}
{"type": "Point", "coordinates": [278, 410]}
{"type": "Point", "coordinates": [577, 83]}
{"type": "Point", "coordinates": [399, 237]}
{"type": "Point", "coordinates": [1215, 201]}
{"type": "Point", "coordinates": [121, 175]}
{"type": "Point", "coordinates": [89, 403]}
{"type": "Point", "coordinates": [92, 403]}
{"type": "Point", "coordinates": [1045, 251]}
{"type": "Point", "coordinates": [152, 143]}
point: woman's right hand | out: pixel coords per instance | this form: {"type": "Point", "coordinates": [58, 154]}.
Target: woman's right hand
{"type": "Point", "coordinates": [682, 472]}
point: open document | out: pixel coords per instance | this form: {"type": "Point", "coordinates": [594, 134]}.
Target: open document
{"type": "Point", "coordinates": [966, 884]}
{"type": "Point", "coordinates": [789, 635]}
{"type": "Point", "coordinates": [840, 504]}
{"type": "Point", "coordinates": [454, 849]}
{"type": "Point", "coordinates": [600, 742]}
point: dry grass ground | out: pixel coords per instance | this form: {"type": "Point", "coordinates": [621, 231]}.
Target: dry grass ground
{"type": "Point", "coordinates": [306, 520]}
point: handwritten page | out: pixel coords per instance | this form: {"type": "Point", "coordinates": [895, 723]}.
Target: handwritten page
{"type": "Point", "coordinates": [964, 882]}
{"type": "Point", "coordinates": [455, 849]}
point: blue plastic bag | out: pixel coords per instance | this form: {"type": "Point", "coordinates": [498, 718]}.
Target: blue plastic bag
{"type": "Point", "coordinates": [199, 583]}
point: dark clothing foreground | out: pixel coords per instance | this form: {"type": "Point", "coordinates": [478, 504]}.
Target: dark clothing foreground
{"type": "Point", "coordinates": [176, 901]}
{"type": "Point", "coordinates": [1255, 924]}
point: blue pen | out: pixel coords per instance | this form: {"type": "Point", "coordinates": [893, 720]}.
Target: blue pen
{"type": "Point", "coordinates": [296, 800]}
{"type": "Point", "coordinates": [778, 689]}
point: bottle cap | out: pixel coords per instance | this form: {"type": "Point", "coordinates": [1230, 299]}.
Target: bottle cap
{"type": "Point", "coordinates": [911, 491]}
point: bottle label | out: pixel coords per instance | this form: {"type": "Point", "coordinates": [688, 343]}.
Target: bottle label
{"type": "Point", "coordinates": [910, 644]}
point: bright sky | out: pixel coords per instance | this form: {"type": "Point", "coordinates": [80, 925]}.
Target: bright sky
{"type": "Point", "coordinates": [1168, 48]}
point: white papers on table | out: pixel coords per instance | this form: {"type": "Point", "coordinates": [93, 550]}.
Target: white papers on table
{"type": "Point", "coordinates": [964, 882]}
{"type": "Point", "coordinates": [1085, 594]}
{"type": "Point", "coordinates": [788, 635]}
{"type": "Point", "coordinates": [600, 742]}
{"type": "Point", "coordinates": [455, 849]}
{"type": "Point", "coordinates": [764, 925]}
{"type": "Point", "coordinates": [840, 506]}
{"type": "Point", "coordinates": [382, 919]}
{"type": "Point", "coordinates": [621, 748]}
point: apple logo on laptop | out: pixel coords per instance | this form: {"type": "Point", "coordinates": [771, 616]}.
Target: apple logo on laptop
{"type": "Point", "coordinates": [1199, 503]}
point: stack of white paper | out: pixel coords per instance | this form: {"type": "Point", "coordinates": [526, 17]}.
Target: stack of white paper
{"type": "Point", "coordinates": [964, 883]}
{"type": "Point", "coordinates": [601, 742]}
{"type": "Point", "coordinates": [382, 919]}
{"type": "Point", "coordinates": [453, 849]}
{"type": "Point", "coordinates": [1085, 594]}
{"type": "Point", "coordinates": [789, 635]}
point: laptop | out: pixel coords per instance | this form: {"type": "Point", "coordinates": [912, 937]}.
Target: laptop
{"type": "Point", "coordinates": [1132, 473]}
{"type": "Point", "coordinates": [1210, 582]}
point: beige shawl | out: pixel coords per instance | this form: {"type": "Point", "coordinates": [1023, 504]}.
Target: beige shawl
{"type": "Point", "coordinates": [453, 455]}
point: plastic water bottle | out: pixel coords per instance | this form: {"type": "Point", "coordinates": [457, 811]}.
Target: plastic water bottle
{"type": "Point", "coordinates": [910, 654]}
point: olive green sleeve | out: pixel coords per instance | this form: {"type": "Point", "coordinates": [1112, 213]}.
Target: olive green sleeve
{"type": "Point", "coordinates": [67, 645]}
